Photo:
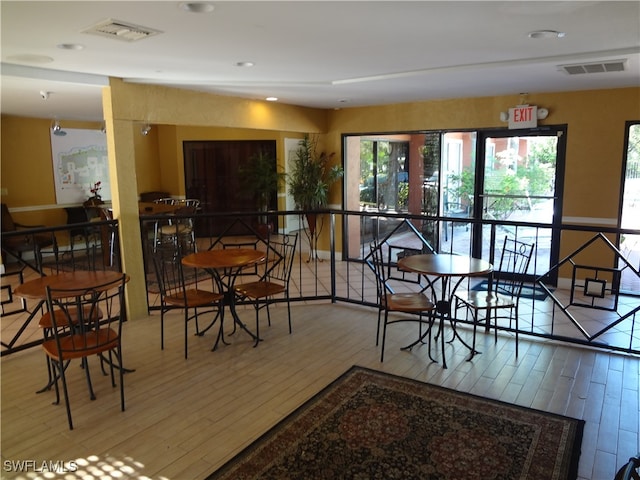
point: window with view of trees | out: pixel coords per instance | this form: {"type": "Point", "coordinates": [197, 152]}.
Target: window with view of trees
{"type": "Point", "coordinates": [462, 176]}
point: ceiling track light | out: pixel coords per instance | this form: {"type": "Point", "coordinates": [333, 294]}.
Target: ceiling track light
{"type": "Point", "coordinates": [145, 129]}
{"type": "Point", "coordinates": [57, 129]}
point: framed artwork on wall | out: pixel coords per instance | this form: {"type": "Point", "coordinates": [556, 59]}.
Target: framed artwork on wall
{"type": "Point", "coordinates": [79, 164]}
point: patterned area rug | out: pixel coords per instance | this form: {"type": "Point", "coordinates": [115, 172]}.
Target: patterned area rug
{"type": "Point", "coordinates": [372, 425]}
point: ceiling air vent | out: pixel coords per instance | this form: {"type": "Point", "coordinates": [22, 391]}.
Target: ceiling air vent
{"type": "Point", "coordinates": [121, 30]}
{"type": "Point", "coordinates": [596, 67]}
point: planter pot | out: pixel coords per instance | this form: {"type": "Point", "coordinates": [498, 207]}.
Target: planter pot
{"type": "Point", "coordinates": [264, 229]}
{"type": "Point", "coordinates": [93, 202]}
{"type": "Point", "coordinates": [311, 221]}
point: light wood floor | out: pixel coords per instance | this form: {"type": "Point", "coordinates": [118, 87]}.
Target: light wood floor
{"type": "Point", "coordinates": [185, 418]}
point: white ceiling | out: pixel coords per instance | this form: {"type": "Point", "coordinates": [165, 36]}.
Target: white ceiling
{"type": "Point", "coordinates": [318, 54]}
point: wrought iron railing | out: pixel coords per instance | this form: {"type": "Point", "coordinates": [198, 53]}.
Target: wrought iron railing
{"type": "Point", "coordinates": [335, 269]}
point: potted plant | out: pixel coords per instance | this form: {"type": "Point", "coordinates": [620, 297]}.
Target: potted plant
{"type": "Point", "coordinates": [93, 204]}
{"type": "Point", "coordinates": [95, 198]}
{"type": "Point", "coordinates": [309, 181]}
{"type": "Point", "coordinates": [262, 180]}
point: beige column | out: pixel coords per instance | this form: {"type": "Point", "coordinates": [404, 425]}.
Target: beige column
{"type": "Point", "coordinates": [124, 191]}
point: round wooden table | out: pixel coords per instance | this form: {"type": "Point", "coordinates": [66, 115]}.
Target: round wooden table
{"type": "Point", "coordinates": [152, 208]}
{"type": "Point", "coordinates": [80, 280]}
{"type": "Point", "coordinates": [445, 267]}
{"type": "Point", "coordinates": [36, 289]}
{"type": "Point", "coordinates": [221, 259]}
{"type": "Point", "coordinates": [226, 264]}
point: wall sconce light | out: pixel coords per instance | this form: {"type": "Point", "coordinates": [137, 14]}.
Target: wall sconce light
{"type": "Point", "coordinates": [145, 129]}
{"type": "Point", "coordinates": [57, 129]}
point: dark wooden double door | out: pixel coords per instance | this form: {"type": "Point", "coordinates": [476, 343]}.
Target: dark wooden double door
{"type": "Point", "coordinates": [213, 175]}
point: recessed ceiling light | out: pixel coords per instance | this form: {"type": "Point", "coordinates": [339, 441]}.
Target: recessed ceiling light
{"type": "Point", "coordinates": [245, 64]}
{"type": "Point", "coordinates": [271, 99]}
{"type": "Point", "coordinates": [546, 34]}
{"type": "Point", "coordinates": [70, 46]}
{"type": "Point", "coordinates": [197, 7]}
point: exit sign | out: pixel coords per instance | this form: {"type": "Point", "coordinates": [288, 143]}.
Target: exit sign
{"type": "Point", "coordinates": [523, 116]}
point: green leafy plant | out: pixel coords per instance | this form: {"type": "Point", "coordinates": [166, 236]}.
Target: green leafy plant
{"type": "Point", "coordinates": [262, 179]}
{"type": "Point", "coordinates": [312, 175]}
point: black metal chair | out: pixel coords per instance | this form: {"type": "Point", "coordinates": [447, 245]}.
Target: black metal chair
{"type": "Point", "coordinates": [108, 238]}
{"type": "Point", "coordinates": [505, 288]}
{"type": "Point", "coordinates": [275, 280]}
{"type": "Point", "coordinates": [17, 245]}
{"type": "Point", "coordinates": [77, 215]}
{"type": "Point", "coordinates": [87, 322]}
{"type": "Point", "coordinates": [80, 253]}
{"type": "Point", "coordinates": [415, 303]}
{"type": "Point", "coordinates": [630, 471]}
{"type": "Point", "coordinates": [187, 289]}
{"type": "Point", "coordinates": [179, 227]}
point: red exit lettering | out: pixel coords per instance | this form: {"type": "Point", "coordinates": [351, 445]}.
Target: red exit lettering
{"type": "Point", "coordinates": [523, 114]}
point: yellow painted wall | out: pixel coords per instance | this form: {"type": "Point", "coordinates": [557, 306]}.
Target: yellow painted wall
{"type": "Point", "coordinates": [148, 159]}
{"type": "Point", "coordinates": [595, 140]}
{"type": "Point", "coordinates": [26, 168]}
{"type": "Point", "coordinates": [171, 106]}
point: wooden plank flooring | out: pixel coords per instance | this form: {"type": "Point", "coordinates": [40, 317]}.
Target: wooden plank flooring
{"type": "Point", "coordinates": [185, 418]}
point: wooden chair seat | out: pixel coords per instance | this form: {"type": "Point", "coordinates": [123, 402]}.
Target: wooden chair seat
{"type": "Point", "coordinates": [260, 289]}
{"type": "Point", "coordinates": [407, 302]}
{"type": "Point", "coordinates": [199, 295]}
{"type": "Point", "coordinates": [481, 300]}
{"type": "Point", "coordinates": [82, 345]}
{"type": "Point", "coordinates": [507, 283]}
{"type": "Point", "coordinates": [194, 298]}
{"type": "Point", "coordinates": [175, 229]}
{"type": "Point", "coordinates": [275, 280]}
{"type": "Point", "coordinates": [76, 336]}
{"type": "Point", "coordinates": [415, 303]}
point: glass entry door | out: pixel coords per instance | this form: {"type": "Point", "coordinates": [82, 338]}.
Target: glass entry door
{"type": "Point", "coordinates": [519, 179]}
{"type": "Point", "coordinates": [384, 171]}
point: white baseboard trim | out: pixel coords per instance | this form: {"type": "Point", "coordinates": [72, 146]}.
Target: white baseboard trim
{"type": "Point", "coordinates": [610, 222]}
